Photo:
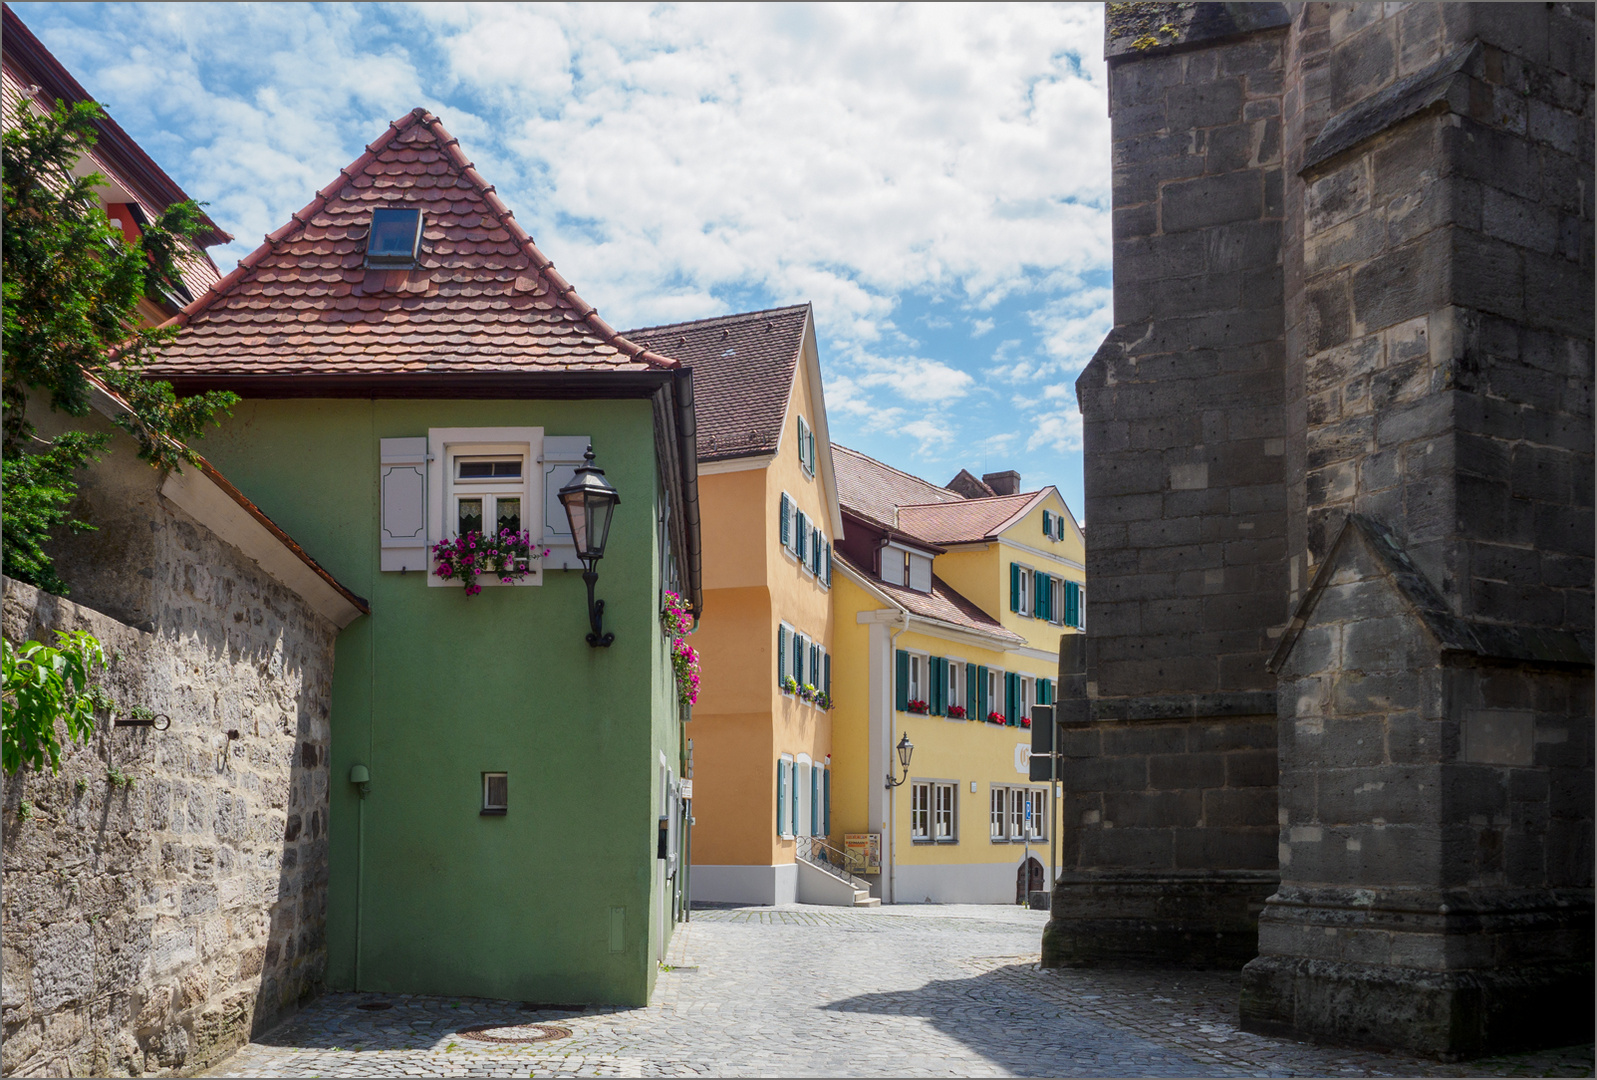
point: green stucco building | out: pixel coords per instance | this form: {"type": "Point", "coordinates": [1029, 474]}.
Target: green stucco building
{"type": "Point", "coordinates": [412, 368]}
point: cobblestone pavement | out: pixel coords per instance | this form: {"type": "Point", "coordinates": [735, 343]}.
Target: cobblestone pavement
{"type": "Point", "coordinates": [796, 991]}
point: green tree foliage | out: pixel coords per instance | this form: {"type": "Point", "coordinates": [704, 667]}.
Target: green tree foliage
{"type": "Point", "coordinates": [42, 686]}
{"type": "Point", "coordinates": [72, 286]}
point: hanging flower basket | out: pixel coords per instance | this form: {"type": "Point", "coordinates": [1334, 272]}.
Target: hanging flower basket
{"type": "Point", "coordinates": [507, 555]}
{"type": "Point", "coordinates": [956, 712]}
{"type": "Point", "coordinates": [678, 625]}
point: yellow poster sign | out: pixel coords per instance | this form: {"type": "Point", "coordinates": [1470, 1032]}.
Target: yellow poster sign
{"type": "Point", "coordinates": [863, 850]}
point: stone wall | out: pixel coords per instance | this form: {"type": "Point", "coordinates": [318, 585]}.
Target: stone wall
{"type": "Point", "coordinates": [1172, 785]}
{"type": "Point", "coordinates": [151, 926]}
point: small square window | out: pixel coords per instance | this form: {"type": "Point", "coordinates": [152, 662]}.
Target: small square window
{"type": "Point", "coordinates": [495, 792]}
{"type": "Point", "coordinates": [394, 238]}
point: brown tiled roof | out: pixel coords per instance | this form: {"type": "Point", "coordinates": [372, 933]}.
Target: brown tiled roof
{"type": "Point", "coordinates": [876, 491]}
{"type": "Point", "coordinates": [965, 520]}
{"type": "Point", "coordinates": [942, 604]}
{"type": "Point", "coordinates": [482, 298]}
{"type": "Point", "coordinates": [742, 374]}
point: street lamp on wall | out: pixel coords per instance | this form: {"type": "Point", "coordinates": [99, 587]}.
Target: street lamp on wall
{"type": "Point", "coordinates": [589, 500]}
{"type": "Point", "coordinates": [905, 749]}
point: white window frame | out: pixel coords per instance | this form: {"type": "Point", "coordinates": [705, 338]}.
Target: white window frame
{"type": "Point", "coordinates": [945, 811]}
{"type": "Point", "coordinates": [920, 811]}
{"type": "Point", "coordinates": [1028, 694]}
{"type": "Point", "coordinates": [490, 808]}
{"type": "Point", "coordinates": [998, 813]}
{"type": "Point", "coordinates": [1056, 605]}
{"type": "Point", "coordinates": [920, 667]}
{"type": "Point", "coordinates": [1028, 583]}
{"type": "Point", "coordinates": [444, 446]}
{"type": "Point", "coordinates": [787, 796]}
{"type": "Point", "coordinates": [909, 571]}
{"type": "Point", "coordinates": [1039, 814]}
{"type": "Point", "coordinates": [995, 691]}
{"type": "Point", "coordinates": [956, 688]}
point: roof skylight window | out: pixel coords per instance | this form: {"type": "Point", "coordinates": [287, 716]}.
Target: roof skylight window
{"type": "Point", "coordinates": [394, 238]}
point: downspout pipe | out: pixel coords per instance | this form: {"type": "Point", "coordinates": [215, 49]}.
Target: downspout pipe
{"type": "Point", "coordinates": [892, 793]}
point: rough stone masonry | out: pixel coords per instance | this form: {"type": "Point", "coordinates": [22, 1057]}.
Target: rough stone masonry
{"type": "Point", "coordinates": [165, 894]}
{"type": "Point", "coordinates": [1339, 479]}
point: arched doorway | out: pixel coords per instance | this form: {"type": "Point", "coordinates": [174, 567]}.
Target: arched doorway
{"type": "Point", "coordinates": [1029, 878]}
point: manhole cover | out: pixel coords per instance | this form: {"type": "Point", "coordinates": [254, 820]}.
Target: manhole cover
{"type": "Point", "coordinates": [515, 1033]}
{"type": "Point", "coordinates": [375, 1006]}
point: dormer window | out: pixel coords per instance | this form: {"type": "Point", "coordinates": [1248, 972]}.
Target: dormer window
{"type": "Point", "coordinates": [394, 238]}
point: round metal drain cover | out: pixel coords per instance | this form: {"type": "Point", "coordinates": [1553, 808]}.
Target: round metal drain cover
{"type": "Point", "coordinates": [515, 1033]}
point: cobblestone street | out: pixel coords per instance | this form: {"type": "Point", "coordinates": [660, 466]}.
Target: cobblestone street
{"type": "Point", "coordinates": [902, 991]}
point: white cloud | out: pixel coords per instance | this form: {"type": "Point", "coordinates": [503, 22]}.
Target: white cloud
{"type": "Point", "coordinates": [679, 161]}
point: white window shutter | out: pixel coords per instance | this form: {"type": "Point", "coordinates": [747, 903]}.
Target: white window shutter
{"type": "Point", "coordinates": [561, 456]}
{"type": "Point", "coordinates": [402, 484]}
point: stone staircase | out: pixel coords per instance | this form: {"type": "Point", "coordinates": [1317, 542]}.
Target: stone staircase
{"type": "Point", "coordinates": [822, 879]}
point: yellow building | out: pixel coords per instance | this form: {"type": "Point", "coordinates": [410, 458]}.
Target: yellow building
{"type": "Point", "coordinates": [949, 604]}
{"type": "Point", "coordinates": [769, 515]}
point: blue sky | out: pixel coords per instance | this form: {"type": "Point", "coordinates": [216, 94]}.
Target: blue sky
{"type": "Point", "coordinates": [934, 178]}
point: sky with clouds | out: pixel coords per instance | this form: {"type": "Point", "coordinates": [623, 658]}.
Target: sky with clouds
{"type": "Point", "coordinates": [933, 178]}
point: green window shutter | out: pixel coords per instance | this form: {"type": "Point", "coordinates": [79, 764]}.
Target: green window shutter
{"type": "Point", "coordinates": [826, 801]}
{"type": "Point", "coordinates": [781, 654]}
{"type": "Point", "coordinates": [1039, 600]}
{"type": "Point", "coordinates": [801, 441]}
{"type": "Point", "coordinates": [787, 521]}
{"type": "Point", "coordinates": [798, 658]}
{"type": "Point", "coordinates": [781, 797]}
{"type": "Point", "coordinates": [801, 527]}
{"type": "Point", "coordinates": [793, 790]}
{"type": "Point", "coordinates": [1048, 524]}
{"type": "Point", "coordinates": [933, 703]}
{"type": "Point", "coordinates": [826, 673]}
{"type": "Point", "coordinates": [828, 563]}
{"type": "Point", "coordinates": [1014, 587]}
{"type": "Point", "coordinates": [815, 665]}
{"type": "Point", "coordinates": [1011, 696]}
{"type": "Point", "coordinates": [972, 710]}
{"type": "Point", "coordinates": [1072, 601]}
{"type": "Point", "coordinates": [982, 705]}
{"type": "Point", "coordinates": [903, 680]}
{"type": "Point", "coordinates": [815, 799]}
{"type": "Point", "coordinates": [1045, 692]}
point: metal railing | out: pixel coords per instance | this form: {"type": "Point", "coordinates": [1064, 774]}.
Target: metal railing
{"type": "Point", "coordinates": [817, 852]}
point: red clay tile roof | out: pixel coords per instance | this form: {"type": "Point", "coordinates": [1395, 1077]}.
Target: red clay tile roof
{"type": "Point", "coordinates": [966, 520]}
{"type": "Point", "coordinates": [942, 604]}
{"type": "Point", "coordinates": [876, 491]}
{"type": "Point", "coordinates": [743, 367]}
{"type": "Point", "coordinates": [481, 299]}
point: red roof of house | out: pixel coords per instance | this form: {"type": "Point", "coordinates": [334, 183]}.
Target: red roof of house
{"type": "Point", "coordinates": [875, 490]}
{"type": "Point", "coordinates": [482, 298]}
{"type": "Point", "coordinates": [743, 369]}
{"type": "Point", "coordinates": [966, 520]}
{"type": "Point", "coordinates": [942, 604]}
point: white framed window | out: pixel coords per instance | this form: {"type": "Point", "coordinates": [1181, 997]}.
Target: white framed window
{"type": "Point", "coordinates": [1037, 826]}
{"type": "Point", "coordinates": [495, 794]}
{"type": "Point", "coordinates": [784, 796]}
{"type": "Point", "coordinates": [1028, 695]}
{"type": "Point", "coordinates": [919, 687]}
{"type": "Point", "coordinates": [806, 447]}
{"type": "Point", "coordinates": [1018, 814]}
{"type": "Point", "coordinates": [944, 804]}
{"type": "Point", "coordinates": [484, 480]}
{"type": "Point", "coordinates": [784, 531]}
{"type": "Point", "coordinates": [995, 691]}
{"type": "Point", "coordinates": [920, 812]}
{"type": "Point", "coordinates": [954, 685]}
{"type": "Point", "coordinates": [919, 573]}
{"type": "Point", "coordinates": [1023, 591]}
{"type": "Point", "coordinates": [1056, 606]}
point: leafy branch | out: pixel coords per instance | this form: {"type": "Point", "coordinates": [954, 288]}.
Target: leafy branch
{"type": "Point", "coordinates": [44, 685]}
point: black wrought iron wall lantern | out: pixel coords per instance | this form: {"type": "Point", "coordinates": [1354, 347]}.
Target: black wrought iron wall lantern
{"type": "Point", "coordinates": [590, 500]}
{"type": "Point", "coordinates": [905, 749]}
